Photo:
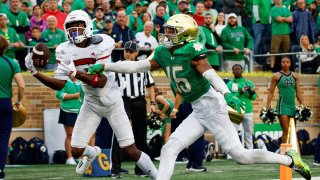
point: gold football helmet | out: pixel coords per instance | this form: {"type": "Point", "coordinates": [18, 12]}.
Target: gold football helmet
{"type": "Point", "coordinates": [184, 27]}
{"type": "Point", "coordinates": [19, 115]}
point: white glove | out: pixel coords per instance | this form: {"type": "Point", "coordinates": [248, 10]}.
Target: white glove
{"type": "Point", "coordinates": [70, 69]}
{"type": "Point", "coordinates": [29, 64]}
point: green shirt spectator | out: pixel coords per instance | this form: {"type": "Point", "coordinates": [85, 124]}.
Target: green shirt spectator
{"type": "Point", "coordinates": [12, 36]}
{"type": "Point", "coordinates": [6, 75]}
{"type": "Point", "coordinates": [279, 28]}
{"type": "Point", "coordinates": [78, 4]}
{"type": "Point", "coordinates": [261, 11]}
{"type": "Point", "coordinates": [201, 38]}
{"type": "Point", "coordinates": [20, 22]}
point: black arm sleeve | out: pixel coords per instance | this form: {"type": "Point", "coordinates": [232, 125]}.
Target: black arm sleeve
{"type": "Point", "coordinates": [21, 29]}
{"type": "Point", "coordinates": [200, 56]}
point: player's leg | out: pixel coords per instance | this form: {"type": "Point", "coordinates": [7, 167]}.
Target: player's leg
{"type": "Point", "coordinates": [188, 131]}
{"type": "Point", "coordinates": [120, 124]}
{"type": "Point", "coordinates": [248, 128]}
{"type": "Point", "coordinates": [86, 125]}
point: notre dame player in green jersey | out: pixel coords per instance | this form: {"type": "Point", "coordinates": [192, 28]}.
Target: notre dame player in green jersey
{"type": "Point", "coordinates": [185, 63]}
{"type": "Point", "coordinates": [288, 86]}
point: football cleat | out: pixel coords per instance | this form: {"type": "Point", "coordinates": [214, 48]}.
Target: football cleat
{"type": "Point", "coordinates": [210, 152]}
{"type": "Point", "coordinates": [86, 161]}
{"type": "Point", "coordinates": [298, 165]}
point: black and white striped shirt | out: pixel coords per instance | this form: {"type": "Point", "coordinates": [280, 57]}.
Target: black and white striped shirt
{"type": "Point", "coordinates": [135, 83]}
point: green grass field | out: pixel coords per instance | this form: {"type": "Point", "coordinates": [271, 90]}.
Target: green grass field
{"type": "Point", "coordinates": [217, 169]}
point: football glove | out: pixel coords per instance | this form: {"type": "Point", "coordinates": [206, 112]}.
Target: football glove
{"type": "Point", "coordinates": [69, 69]}
{"type": "Point", "coordinates": [303, 113]}
{"type": "Point", "coordinates": [97, 68]}
{"type": "Point", "coordinates": [268, 117]}
{"type": "Point", "coordinates": [29, 64]}
{"type": "Point", "coordinates": [235, 102]}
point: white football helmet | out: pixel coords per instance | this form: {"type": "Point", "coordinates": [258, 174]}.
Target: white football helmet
{"type": "Point", "coordinates": [78, 16]}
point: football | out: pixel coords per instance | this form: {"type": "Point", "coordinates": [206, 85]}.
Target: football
{"type": "Point", "coordinates": [40, 55]}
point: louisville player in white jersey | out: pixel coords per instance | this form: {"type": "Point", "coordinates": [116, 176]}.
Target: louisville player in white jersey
{"type": "Point", "coordinates": [102, 94]}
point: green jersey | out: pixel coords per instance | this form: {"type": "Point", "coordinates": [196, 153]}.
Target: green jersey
{"type": "Point", "coordinates": [7, 72]}
{"type": "Point", "coordinates": [235, 37]}
{"type": "Point", "coordinates": [280, 28]}
{"type": "Point", "coordinates": [264, 10]}
{"type": "Point", "coordinates": [19, 20]}
{"type": "Point", "coordinates": [12, 36]}
{"type": "Point", "coordinates": [70, 105]}
{"type": "Point", "coordinates": [190, 84]}
{"type": "Point", "coordinates": [201, 37]}
{"type": "Point", "coordinates": [55, 38]}
{"type": "Point", "coordinates": [160, 107]}
{"type": "Point", "coordinates": [210, 40]}
{"type": "Point", "coordinates": [287, 85]}
{"type": "Point", "coordinates": [235, 85]}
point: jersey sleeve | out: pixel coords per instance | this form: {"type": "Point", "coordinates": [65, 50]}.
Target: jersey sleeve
{"type": "Point", "coordinates": [104, 49]}
{"type": "Point", "coordinates": [156, 54]}
{"type": "Point", "coordinates": [16, 68]}
{"type": "Point", "coordinates": [198, 51]}
{"type": "Point", "coordinates": [149, 80]}
{"type": "Point", "coordinates": [59, 74]}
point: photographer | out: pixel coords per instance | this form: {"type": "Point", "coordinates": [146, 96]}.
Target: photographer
{"type": "Point", "coordinates": [244, 90]}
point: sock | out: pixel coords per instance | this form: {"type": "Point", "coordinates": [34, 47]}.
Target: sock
{"type": "Point", "coordinates": [258, 156]}
{"type": "Point", "coordinates": [89, 151]}
{"type": "Point", "coordinates": [146, 165]}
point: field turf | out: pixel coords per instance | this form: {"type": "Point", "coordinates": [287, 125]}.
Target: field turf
{"type": "Point", "coordinates": [217, 169]}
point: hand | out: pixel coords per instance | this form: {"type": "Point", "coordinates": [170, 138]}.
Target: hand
{"type": "Point", "coordinates": [152, 108]}
{"type": "Point", "coordinates": [310, 47]}
{"type": "Point", "coordinates": [279, 19]}
{"type": "Point", "coordinates": [29, 64]}
{"type": "Point", "coordinates": [16, 106]}
{"type": "Point", "coordinates": [212, 27]}
{"type": "Point", "coordinates": [77, 95]}
{"type": "Point", "coordinates": [97, 68]}
{"type": "Point", "coordinates": [247, 51]}
{"type": "Point", "coordinates": [173, 115]}
{"type": "Point", "coordinates": [235, 102]}
{"type": "Point", "coordinates": [134, 14]}
{"type": "Point", "coordinates": [157, 27]}
{"type": "Point", "coordinates": [219, 49]}
{"type": "Point", "coordinates": [69, 69]}
{"type": "Point", "coordinates": [236, 50]}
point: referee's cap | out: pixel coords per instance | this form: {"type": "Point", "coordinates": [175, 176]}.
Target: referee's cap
{"type": "Point", "coordinates": [131, 45]}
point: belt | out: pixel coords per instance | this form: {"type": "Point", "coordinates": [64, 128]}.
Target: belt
{"type": "Point", "coordinates": [133, 98]}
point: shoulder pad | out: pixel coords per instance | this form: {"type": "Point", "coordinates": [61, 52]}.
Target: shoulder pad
{"type": "Point", "coordinates": [96, 39]}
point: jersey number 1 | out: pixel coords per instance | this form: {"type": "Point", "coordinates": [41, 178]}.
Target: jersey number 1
{"type": "Point", "coordinates": [182, 84]}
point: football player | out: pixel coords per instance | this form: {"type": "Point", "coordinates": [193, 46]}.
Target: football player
{"type": "Point", "coordinates": [102, 94]}
{"type": "Point", "coordinates": [184, 62]}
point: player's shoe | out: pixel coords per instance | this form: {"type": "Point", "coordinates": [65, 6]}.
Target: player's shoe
{"type": "Point", "coordinates": [86, 161]}
{"type": "Point", "coordinates": [210, 152]}
{"type": "Point", "coordinates": [71, 161]}
{"type": "Point", "coordinates": [298, 165]}
{"type": "Point", "coordinates": [198, 169]}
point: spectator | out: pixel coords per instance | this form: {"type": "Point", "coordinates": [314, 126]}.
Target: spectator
{"type": "Point", "coordinates": [98, 21]}
{"type": "Point", "coordinates": [244, 90]}
{"type": "Point", "coordinates": [146, 40]}
{"type": "Point", "coordinates": [45, 6]}
{"type": "Point", "coordinates": [78, 4]}
{"type": "Point", "coordinates": [198, 15]}
{"type": "Point", "coordinates": [164, 109]}
{"type": "Point", "coordinates": [145, 5]}
{"type": "Point", "coordinates": [159, 20]}
{"type": "Point", "coordinates": [71, 98]}
{"type": "Point", "coordinates": [135, 105]}
{"type": "Point", "coordinates": [303, 23]}
{"type": "Point", "coordinates": [261, 27]}
{"type": "Point", "coordinates": [36, 20]}
{"type": "Point", "coordinates": [288, 87]}
{"type": "Point", "coordinates": [208, 4]}
{"type": "Point", "coordinates": [36, 37]}
{"type": "Point", "coordinates": [11, 36]}
{"type": "Point", "coordinates": [123, 32]}
{"type": "Point", "coordinates": [19, 21]}
{"type": "Point", "coordinates": [184, 6]}
{"type": "Point", "coordinates": [313, 10]}
{"type": "Point", "coordinates": [220, 23]}
{"type": "Point", "coordinates": [106, 10]}
{"type": "Point", "coordinates": [97, 3]}
{"type": "Point", "coordinates": [25, 7]}
{"type": "Point", "coordinates": [130, 8]}
{"type": "Point", "coordinates": [235, 38]}
{"type": "Point", "coordinates": [9, 70]}
{"type": "Point", "coordinates": [146, 17]}
{"type": "Point", "coordinates": [212, 42]}
{"type": "Point", "coordinates": [118, 6]}
{"type": "Point", "coordinates": [54, 11]}
{"type": "Point", "coordinates": [281, 18]}
{"type": "Point", "coordinates": [233, 6]}
{"type": "Point", "coordinates": [89, 9]}
{"type": "Point", "coordinates": [247, 16]}
{"type": "Point", "coordinates": [152, 9]}
{"type": "Point", "coordinates": [54, 36]}
{"type": "Point", "coordinates": [66, 5]}
{"type": "Point", "coordinates": [309, 62]}
{"type": "Point", "coordinates": [135, 21]}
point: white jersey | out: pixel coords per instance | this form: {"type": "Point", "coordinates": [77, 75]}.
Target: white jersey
{"type": "Point", "coordinates": [83, 58]}
{"type": "Point", "coordinates": [145, 42]}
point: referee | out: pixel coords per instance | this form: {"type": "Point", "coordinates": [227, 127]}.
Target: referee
{"type": "Point", "coordinates": [135, 105]}
{"type": "Point", "coordinates": [9, 70]}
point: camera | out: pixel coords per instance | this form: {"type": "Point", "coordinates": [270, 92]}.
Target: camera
{"type": "Point", "coordinates": [251, 91]}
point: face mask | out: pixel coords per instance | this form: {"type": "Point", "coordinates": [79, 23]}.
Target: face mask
{"type": "Point", "coordinates": [167, 43]}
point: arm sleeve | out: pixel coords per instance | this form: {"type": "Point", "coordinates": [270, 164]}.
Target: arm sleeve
{"type": "Point", "coordinates": [216, 81]}
{"type": "Point", "coordinates": [149, 80]}
{"type": "Point", "coordinates": [60, 94]}
{"type": "Point", "coordinates": [128, 66]}
{"type": "Point", "coordinates": [59, 74]}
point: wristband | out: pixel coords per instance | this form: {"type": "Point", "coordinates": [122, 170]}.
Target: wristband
{"type": "Point", "coordinates": [152, 102]}
{"type": "Point", "coordinates": [95, 80]}
{"type": "Point", "coordinates": [175, 110]}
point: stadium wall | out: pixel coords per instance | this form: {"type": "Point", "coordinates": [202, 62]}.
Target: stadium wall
{"type": "Point", "coordinates": [38, 97]}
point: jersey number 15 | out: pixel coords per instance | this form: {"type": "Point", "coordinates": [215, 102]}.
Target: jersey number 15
{"type": "Point", "coordinates": [182, 84]}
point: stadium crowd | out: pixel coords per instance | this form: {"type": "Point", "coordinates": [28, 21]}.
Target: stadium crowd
{"type": "Point", "coordinates": [240, 26]}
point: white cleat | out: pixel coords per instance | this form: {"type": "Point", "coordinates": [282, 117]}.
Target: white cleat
{"type": "Point", "coordinates": [86, 161]}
